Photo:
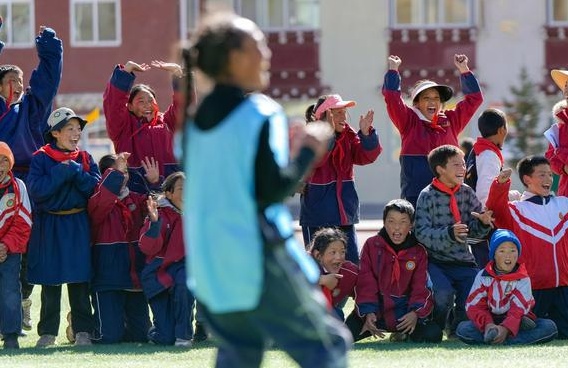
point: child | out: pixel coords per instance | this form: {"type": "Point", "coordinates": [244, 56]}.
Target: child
{"type": "Point", "coordinates": [338, 275]}
{"type": "Point", "coordinates": [557, 135]}
{"type": "Point", "coordinates": [60, 181]}
{"type": "Point", "coordinates": [163, 277]}
{"type": "Point", "coordinates": [500, 301]}
{"type": "Point", "coordinates": [329, 197]}
{"type": "Point", "coordinates": [539, 219]}
{"type": "Point", "coordinates": [15, 212]}
{"type": "Point", "coordinates": [423, 126]}
{"type": "Point", "coordinates": [447, 215]}
{"type": "Point", "coordinates": [23, 114]}
{"type": "Point", "coordinates": [392, 292]}
{"type": "Point", "coordinates": [135, 125]}
{"type": "Point", "coordinates": [244, 266]}
{"type": "Point", "coordinates": [117, 214]}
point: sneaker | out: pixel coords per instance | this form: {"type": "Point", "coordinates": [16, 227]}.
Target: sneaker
{"type": "Point", "coordinates": [26, 315]}
{"type": "Point", "coordinates": [83, 339]}
{"type": "Point", "coordinates": [182, 343]}
{"type": "Point", "coordinates": [527, 323]}
{"type": "Point", "coordinates": [11, 343]}
{"type": "Point", "coordinates": [490, 335]}
{"type": "Point", "coordinates": [45, 341]}
{"type": "Point", "coordinates": [200, 333]}
{"type": "Point", "coordinates": [69, 330]}
{"type": "Point", "coordinates": [398, 337]}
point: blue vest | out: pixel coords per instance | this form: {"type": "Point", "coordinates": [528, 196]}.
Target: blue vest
{"type": "Point", "coordinates": [225, 261]}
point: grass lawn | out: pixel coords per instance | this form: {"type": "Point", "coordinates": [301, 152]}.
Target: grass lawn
{"type": "Point", "coordinates": [367, 353]}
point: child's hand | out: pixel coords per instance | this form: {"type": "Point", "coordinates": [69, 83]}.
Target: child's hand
{"type": "Point", "coordinates": [460, 232]}
{"type": "Point", "coordinates": [394, 62]}
{"type": "Point", "coordinates": [173, 68]}
{"type": "Point", "coordinates": [370, 325]}
{"type": "Point", "coordinates": [501, 335]}
{"type": "Point", "coordinates": [131, 66]}
{"type": "Point", "coordinates": [366, 122]}
{"type": "Point", "coordinates": [504, 175]}
{"type": "Point", "coordinates": [330, 280]}
{"type": "Point", "coordinates": [150, 166]}
{"type": "Point", "coordinates": [152, 209]}
{"type": "Point", "coordinates": [486, 217]}
{"type": "Point", "coordinates": [317, 136]}
{"type": "Point", "coordinates": [407, 323]}
{"type": "Point", "coordinates": [460, 61]}
{"type": "Point", "coordinates": [3, 252]}
{"type": "Point", "coordinates": [122, 162]}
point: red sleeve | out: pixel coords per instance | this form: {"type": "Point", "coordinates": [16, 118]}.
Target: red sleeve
{"type": "Point", "coordinates": [398, 111]}
{"type": "Point", "coordinates": [16, 239]}
{"type": "Point", "coordinates": [171, 114]}
{"type": "Point", "coordinates": [116, 113]}
{"type": "Point", "coordinates": [362, 156]}
{"type": "Point", "coordinates": [151, 239]}
{"type": "Point", "coordinates": [464, 111]}
{"type": "Point", "coordinates": [421, 299]}
{"type": "Point", "coordinates": [476, 306]}
{"type": "Point", "coordinates": [498, 202]}
{"type": "Point", "coordinates": [100, 205]}
{"type": "Point", "coordinates": [367, 288]}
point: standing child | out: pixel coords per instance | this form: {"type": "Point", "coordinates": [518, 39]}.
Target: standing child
{"type": "Point", "coordinates": [244, 265]}
{"type": "Point", "coordinates": [540, 220]}
{"type": "Point", "coordinates": [500, 301]}
{"type": "Point", "coordinates": [329, 197]}
{"type": "Point", "coordinates": [392, 291]}
{"type": "Point", "coordinates": [60, 182]}
{"type": "Point", "coordinates": [15, 212]}
{"type": "Point", "coordinates": [447, 215]}
{"type": "Point", "coordinates": [557, 135]}
{"type": "Point", "coordinates": [117, 214]}
{"type": "Point", "coordinates": [338, 276]}
{"type": "Point", "coordinates": [135, 124]}
{"type": "Point", "coordinates": [424, 126]}
{"type": "Point", "coordinates": [164, 277]}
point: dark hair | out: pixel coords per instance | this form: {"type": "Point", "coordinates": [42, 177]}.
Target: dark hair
{"type": "Point", "coordinates": [466, 144]}
{"type": "Point", "coordinates": [399, 205]}
{"type": "Point", "coordinates": [7, 68]}
{"type": "Point", "coordinates": [324, 237]}
{"type": "Point", "coordinates": [170, 182]}
{"type": "Point", "coordinates": [439, 156]}
{"type": "Point", "coordinates": [527, 164]}
{"type": "Point", "coordinates": [310, 113]}
{"type": "Point", "coordinates": [137, 88]}
{"type": "Point", "coordinates": [490, 121]}
{"type": "Point", "coordinates": [107, 161]}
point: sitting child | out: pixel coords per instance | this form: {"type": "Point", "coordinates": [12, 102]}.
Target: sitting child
{"type": "Point", "coordinates": [338, 276]}
{"type": "Point", "coordinates": [392, 292]}
{"type": "Point", "coordinates": [500, 302]}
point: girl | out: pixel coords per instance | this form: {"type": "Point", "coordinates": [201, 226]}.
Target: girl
{"type": "Point", "coordinates": [163, 278]}
{"type": "Point", "coordinates": [329, 197]}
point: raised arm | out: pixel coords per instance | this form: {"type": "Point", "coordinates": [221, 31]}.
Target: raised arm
{"type": "Point", "coordinates": [396, 108]}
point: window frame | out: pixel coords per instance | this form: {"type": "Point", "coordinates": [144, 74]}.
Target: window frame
{"type": "Point", "coordinates": [9, 29]}
{"type": "Point", "coordinates": [471, 21]}
{"type": "Point", "coordinates": [550, 16]}
{"type": "Point", "coordinates": [95, 42]}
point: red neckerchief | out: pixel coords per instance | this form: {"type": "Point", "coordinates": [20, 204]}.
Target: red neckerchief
{"type": "Point", "coordinates": [61, 156]}
{"type": "Point", "coordinates": [152, 122]}
{"type": "Point", "coordinates": [484, 144]}
{"type": "Point", "coordinates": [434, 124]}
{"type": "Point", "coordinates": [17, 204]}
{"type": "Point", "coordinates": [451, 192]}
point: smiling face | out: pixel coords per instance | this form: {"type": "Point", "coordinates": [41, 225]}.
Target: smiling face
{"type": "Point", "coordinates": [397, 226]}
{"type": "Point", "coordinates": [12, 81]}
{"type": "Point", "coordinates": [506, 256]}
{"type": "Point", "coordinates": [332, 257]}
{"type": "Point", "coordinates": [429, 103]}
{"type": "Point", "coordinates": [176, 195]}
{"type": "Point", "coordinates": [337, 118]}
{"type": "Point", "coordinates": [540, 181]}
{"type": "Point", "coordinates": [68, 137]}
{"type": "Point", "coordinates": [454, 172]}
{"type": "Point", "coordinates": [143, 105]}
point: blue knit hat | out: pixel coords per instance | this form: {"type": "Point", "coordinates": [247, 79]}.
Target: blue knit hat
{"type": "Point", "coordinates": [500, 236]}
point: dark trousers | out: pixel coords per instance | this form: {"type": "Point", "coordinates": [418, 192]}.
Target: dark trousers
{"type": "Point", "coordinates": [172, 310]}
{"type": "Point", "coordinates": [120, 316]}
{"type": "Point", "coordinates": [26, 288]}
{"type": "Point", "coordinates": [553, 304]}
{"type": "Point", "coordinates": [50, 313]}
{"type": "Point", "coordinates": [10, 296]}
{"type": "Point", "coordinates": [291, 313]}
{"type": "Point", "coordinates": [352, 251]}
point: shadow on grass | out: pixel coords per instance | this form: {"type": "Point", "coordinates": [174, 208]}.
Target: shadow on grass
{"type": "Point", "coordinates": [385, 345]}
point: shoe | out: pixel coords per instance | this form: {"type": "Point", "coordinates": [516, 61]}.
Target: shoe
{"type": "Point", "coordinates": [69, 330]}
{"type": "Point", "coordinates": [183, 343]}
{"type": "Point", "coordinates": [527, 323]}
{"type": "Point", "coordinates": [26, 315]}
{"type": "Point", "coordinates": [398, 337]}
{"type": "Point", "coordinates": [45, 341]}
{"type": "Point", "coordinates": [11, 343]}
{"type": "Point", "coordinates": [83, 339]}
{"type": "Point", "coordinates": [490, 335]}
{"type": "Point", "coordinates": [200, 333]}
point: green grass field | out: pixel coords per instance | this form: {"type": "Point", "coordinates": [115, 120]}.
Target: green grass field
{"type": "Point", "coordinates": [367, 353]}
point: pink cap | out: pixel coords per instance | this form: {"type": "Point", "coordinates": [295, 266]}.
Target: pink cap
{"type": "Point", "coordinates": [332, 102]}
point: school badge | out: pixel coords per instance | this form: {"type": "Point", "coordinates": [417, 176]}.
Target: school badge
{"type": "Point", "coordinates": [410, 265]}
{"type": "Point", "coordinates": [8, 201]}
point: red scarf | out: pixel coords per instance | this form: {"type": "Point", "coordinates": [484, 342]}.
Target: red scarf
{"type": "Point", "coordinates": [451, 192]}
{"type": "Point", "coordinates": [484, 144]}
{"type": "Point", "coordinates": [61, 156]}
{"type": "Point", "coordinates": [17, 205]}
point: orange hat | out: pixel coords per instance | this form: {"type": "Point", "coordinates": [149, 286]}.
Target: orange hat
{"type": "Point", "coordinates": [6, 151]}
{"type": "Point", "coordinates": [559, 77]}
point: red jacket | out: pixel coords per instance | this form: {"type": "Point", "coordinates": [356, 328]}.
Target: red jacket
{"type": "Point", "coordinates": [15, 216]}
{"type": "Point", "coordinates": [391, 284]}
{"type": "Point", "coordinates": [558, 156]}
{"type": "Point", "coordinates": [346, 285]}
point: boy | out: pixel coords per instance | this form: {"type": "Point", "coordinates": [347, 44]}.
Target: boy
{"type": "Point", "coordinates": [540, 220]}
{"type": "Point", "coordinates": [391, 292]}
{"type": "Point", "coordinates": [447, 215]}
{"type": "Point", "coordinates": [500, 302]}
{"type": "Point", "coordinates": [423, 126]}
{"type": "Point", "coordinates": [117, 214]}
{"type": "Point", "coordinates": [60, 181]}
{"type": "Point", "coordinates": [557, 135]}
{"type": "Point", "coordinates": [15, 212]}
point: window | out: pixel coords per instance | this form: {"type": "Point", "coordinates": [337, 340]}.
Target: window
{"type": "Point", "coordinates": [557, 12]}
{"type": "Point", "coordinates": [18, 29]}
{"type": "Point", "coordinates": [95, 23]}
{"type": "Point", "coordinates": [431, 13]}
{"type": "Point", "coordinates": [189, 14]}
